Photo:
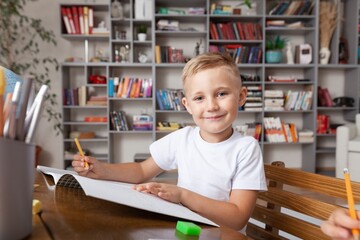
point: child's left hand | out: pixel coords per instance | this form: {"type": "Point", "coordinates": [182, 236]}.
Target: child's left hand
{"type": "Point", "coordinates": [169, 192]}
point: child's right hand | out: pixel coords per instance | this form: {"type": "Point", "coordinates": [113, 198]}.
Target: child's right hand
{"type": "Point", "coordinates": [339, 224]}
{"type": "Point", "coordinates": [92, 169]}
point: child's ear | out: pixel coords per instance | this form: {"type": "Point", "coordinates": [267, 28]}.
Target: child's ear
{"type": "Point", "coordinates": [185, 103]}
{"type": "Point", "coordinates": [242, 96]}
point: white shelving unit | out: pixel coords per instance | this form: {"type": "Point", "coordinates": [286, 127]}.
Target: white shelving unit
{"type": "Point", "coordinates": [121, 146]}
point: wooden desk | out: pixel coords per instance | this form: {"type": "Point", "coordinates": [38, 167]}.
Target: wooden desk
{"type": "Point", "coordinates": [70, 214]}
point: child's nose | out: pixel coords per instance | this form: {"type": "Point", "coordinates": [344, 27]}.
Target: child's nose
{"type": "Point", "coordinates": [213, 105]}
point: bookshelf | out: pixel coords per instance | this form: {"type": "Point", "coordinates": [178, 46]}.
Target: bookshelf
{"type": "Point", "coordinates": [195, 28]}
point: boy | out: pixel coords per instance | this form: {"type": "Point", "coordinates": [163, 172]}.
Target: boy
{"type": "Point", "coordinates": [220, 172]}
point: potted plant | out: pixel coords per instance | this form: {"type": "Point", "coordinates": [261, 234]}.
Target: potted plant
{"type": "Point", "coordinates": [142, 29]}
{"type": "Point", "coordinates": [274, 47]}
{"type": "Point", "coordinates": [20, 41]}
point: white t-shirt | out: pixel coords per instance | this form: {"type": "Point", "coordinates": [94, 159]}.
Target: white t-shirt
{"type": "Point", "coordinates": [211, 169]}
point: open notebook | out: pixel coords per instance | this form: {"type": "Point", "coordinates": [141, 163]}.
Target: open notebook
{"type": "Point", "coordinates": [122, 193]}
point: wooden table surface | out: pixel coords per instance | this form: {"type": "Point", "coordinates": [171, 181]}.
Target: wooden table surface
{"type": "Point", "coordinates": [69, 214]}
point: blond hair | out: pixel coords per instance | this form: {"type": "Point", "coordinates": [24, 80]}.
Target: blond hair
{"type": "Point", "coordinates": [209, 60]}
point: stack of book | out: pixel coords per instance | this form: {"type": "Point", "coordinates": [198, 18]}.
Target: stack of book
{"type": "Point", "coordinates": [240, 53]}
{"type": "Point", "coordinates": [306, 136]}
{"type": "Point", "coordinates": [235, 31]}
{"type": "Point", "coordinates": [277, 131]}
{"type": "Point", "coordinates": [250, 129]}
{"type": "Point", "coordinates": [324, 98]}
{"type": "Point", "coordinates": [97, 101]}
{"type": "Point", "coordinates": [274, 100]}
{"type": "Point", "coordinates": [298, 100]}
{"type": "Point", "coordinates": [168, 126]}
{"type": "Point", "coordinates": [254, 98]}
{"type": "Point", "coordinates": [133, 87]}
{"type": "Point", "coordinates": [79, 20]}
{"type": "Point", "coordinates": [168, 54]}
{"type": "Point", "coordinates": [322, 124]}
{"type": "Point", "coordinates": [295, 7]}
{"type": "Point", "coordinates": [118, 121]}
{"type": "Point", "coordinates": [142, 123]}
{"type": "Point", "coordinates": [170, 99]}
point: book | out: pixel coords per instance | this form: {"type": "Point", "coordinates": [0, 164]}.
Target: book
{"type": "Point", "coordinates": [81, 19]}
{"type": "Point", "coordinates": [76, 19]}
{"type": "Point", "coordinates": [121, 193]}
{"type": "Point", "coordinates": [71, 20]}
{"type": "Point", "coordinates": [91, 19]}
{"type": "Point", "coordinates": [66, 20]}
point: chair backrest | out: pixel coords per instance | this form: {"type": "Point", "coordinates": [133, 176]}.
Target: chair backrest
{"type": "Point", "coordinates": [296, 203]}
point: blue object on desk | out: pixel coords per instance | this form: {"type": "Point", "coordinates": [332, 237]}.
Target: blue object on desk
{"type": "Point", "coordinates": [11, 79]}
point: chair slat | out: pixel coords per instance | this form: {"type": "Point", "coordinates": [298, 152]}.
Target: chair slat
{"type": "Point", "coordinates": [288, 224]}
{"type": "Point", "coordinates": [303, 204]}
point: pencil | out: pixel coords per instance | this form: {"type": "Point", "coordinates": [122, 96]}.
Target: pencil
{"type": "Point", "coordinates": [2, 90]}
{"type": "Point", "coordinates": [81, 151]}
{"type": "Point", "coordinates": [351, 203]}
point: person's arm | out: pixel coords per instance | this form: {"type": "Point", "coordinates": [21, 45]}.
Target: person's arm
{"type": "Point", "coordinates": [340, 224]}
{"type": "Point", "coordinates": [124, 172]}
{"type": "Point", "coordinates": [234, 214]}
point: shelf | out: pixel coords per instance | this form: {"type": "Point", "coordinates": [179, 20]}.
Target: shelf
{"type": "Point", "coordinates": [326, 150]}
{"type": "Point", "coordinates": [86, 123]}
{"type": "Point", "coordinates": [85, 107]}
{"type": "Point", "coordinates": [180, 34]}
{"type": "Point", "coordinates": [87, 140]}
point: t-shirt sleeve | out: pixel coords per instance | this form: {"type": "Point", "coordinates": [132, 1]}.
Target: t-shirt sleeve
{"type": "Point", "coordinates": [163, 151]}
{"type": "Point", "coordinates": [250, 169]}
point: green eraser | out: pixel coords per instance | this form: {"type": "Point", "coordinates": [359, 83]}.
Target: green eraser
{"type": "Point", "coordinates": [188, 228]}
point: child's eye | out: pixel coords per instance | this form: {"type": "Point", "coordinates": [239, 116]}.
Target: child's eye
{"type": "Point", "coordinates": [221, 94]}
{"type": "Point", "coordinates": [198, 98]}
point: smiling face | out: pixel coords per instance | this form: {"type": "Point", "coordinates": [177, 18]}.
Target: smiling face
{"type": "Point", "coordinates": [212, 97]}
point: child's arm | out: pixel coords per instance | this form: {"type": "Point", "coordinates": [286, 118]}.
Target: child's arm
{"type": "Point", "coordinates": [234, 214]}
{"type": "Point", "coordinates": [124, 172]}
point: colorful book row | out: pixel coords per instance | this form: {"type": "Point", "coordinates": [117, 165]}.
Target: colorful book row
{"type": "Point", "coordinates": [170, 99]}
{"type": "Point", "coordinates": [130, 87]}
{"type": "Point", "coordinates": [78, 19]}
{"type": "Point", "coordinates": [235, 31]}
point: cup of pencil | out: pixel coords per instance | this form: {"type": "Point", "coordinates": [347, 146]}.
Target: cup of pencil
{"type": "Point", "coordinates": [16, 185]}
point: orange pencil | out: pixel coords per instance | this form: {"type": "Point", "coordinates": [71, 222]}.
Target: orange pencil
{"type": "Point", "coordinates": [81, 151]}
{"type": "Point", "coordinates": [2, 90]}
{"type": "Point", "coordinates": [351, 202]}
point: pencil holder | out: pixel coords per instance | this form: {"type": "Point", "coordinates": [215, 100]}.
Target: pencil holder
{"type": "Point", "coordinates": [16, 188]}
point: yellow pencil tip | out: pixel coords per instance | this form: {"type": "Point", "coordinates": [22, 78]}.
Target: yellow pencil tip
{"type": "Point", "coordinates": [2, 81]}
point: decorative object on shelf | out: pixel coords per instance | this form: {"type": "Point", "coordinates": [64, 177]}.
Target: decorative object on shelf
{"type": "Point", "coordinates": [289, 54]}
{"type": "Point", "coordinates": [101, 29]}
{"type": "Point", "coordinates": [303, 53]}
{"type": "Point", "coordinates": [141, 32]}
{"type": "Point", "coordinates": [343, 51]}
{"type": "Point", "coordinates": [17, 29]}
{"type": "Point", "coordinates": [274, 47]}
{"type": "Point", "coordinates": [199, 48]}
{"type": "Point", "coordinates": [142, 57]}
{"type": "Point", "coordinates": [328, 22]}
{"type": "Point", "coordinates": [117, 10]}
{"type": "Point", "coordinates": [125, 53]}
{"type": "Point", "coordinates": [247, 7]}
{"type": "Point", "coordinates": [119, 34]}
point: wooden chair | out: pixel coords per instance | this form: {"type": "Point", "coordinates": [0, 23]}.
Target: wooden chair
{"type": "Point", "coordinates": [310, 198]}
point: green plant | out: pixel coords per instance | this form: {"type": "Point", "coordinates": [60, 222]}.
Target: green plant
{"type": "Point", "coordinates": [247, 3]}
{"type": "Point", "coordinates": [142, 28]}
{"type": "Point", "coordinates": [276, 43]}
{"type": "Point", "coordinates": [20, 39]}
